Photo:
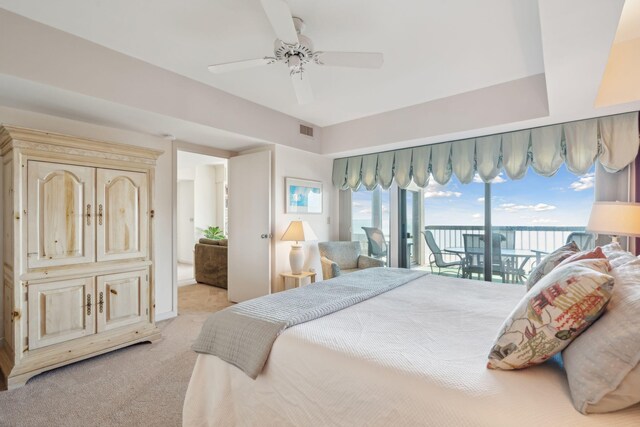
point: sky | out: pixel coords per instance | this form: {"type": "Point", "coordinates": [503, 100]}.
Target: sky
{"type": "Point", "coordinates": [562, 200]}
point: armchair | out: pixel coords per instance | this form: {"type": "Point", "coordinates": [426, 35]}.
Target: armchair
{"type": "Point", "coordinates": [211, 262]}
{"type": "Point", "coordinates": [344, 257]}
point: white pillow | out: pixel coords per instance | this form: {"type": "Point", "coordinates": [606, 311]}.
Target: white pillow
{"type": "Point", "coordinates": [602, 363]}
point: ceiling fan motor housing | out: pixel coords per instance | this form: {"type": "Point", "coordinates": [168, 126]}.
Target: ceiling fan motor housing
{"type": "Point", "coordinates": [296, 56]}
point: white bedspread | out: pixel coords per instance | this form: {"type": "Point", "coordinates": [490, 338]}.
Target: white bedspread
{"type": "Point", "coordinates": [415, 355]}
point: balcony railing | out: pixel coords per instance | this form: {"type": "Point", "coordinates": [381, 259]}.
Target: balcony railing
{"type": "Point", "coordinates": [539, 238]}
{"type": "Point", "coordinates": [536, 238]}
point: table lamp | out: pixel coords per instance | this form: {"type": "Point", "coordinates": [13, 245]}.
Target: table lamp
{"type": "Point", "coordinates": [615, 219]}
{"type": "Point", "coordinates": [298, 231]}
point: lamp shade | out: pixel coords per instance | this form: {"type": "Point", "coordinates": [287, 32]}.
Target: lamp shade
{"type": "Point", "coordinates": [299, 231]}
{"type": "Point", "coordinates": [615, 218]}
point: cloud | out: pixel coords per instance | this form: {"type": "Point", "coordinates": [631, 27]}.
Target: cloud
{"type": "Point", "coordinates": [476, 216]}
{"type": "Point", "coordinates": [497, 180]}
{"type": "Point", "coordinates": [584, 182]}
{"type": "Point", "coordinates": [512, 207]}
{"type": "Point", "coordinates": [481, 199]}
{"type": "Point", "coordinates": [441, 194]}
{"type": "Point", "coordinates": [435, 190]}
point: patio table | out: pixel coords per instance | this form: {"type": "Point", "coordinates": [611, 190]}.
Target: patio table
{"type": "Point", "coordinates": [524, 254]}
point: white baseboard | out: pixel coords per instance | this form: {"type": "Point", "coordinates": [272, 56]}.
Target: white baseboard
{"type": "Point", "coordinates": [186, 282]}
{"type": "Point", "coordinates": [166, 315]}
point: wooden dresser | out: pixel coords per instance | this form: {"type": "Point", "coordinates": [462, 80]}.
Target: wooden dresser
{"type": "Point", "coordinates": [78, 260]}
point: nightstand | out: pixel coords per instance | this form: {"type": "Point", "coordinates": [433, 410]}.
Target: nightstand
{"type": "Point", "coordinates": [296, 280]}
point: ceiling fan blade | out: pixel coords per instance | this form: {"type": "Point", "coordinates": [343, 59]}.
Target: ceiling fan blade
{"type": "Point", "coordinates": [239, 65]}
{"type": "Point", "coordinates": [350, 59]}
{"type": "Point", "coordinates": [302, 87]}
{"type": "Point", "coordinates": [281, 20]}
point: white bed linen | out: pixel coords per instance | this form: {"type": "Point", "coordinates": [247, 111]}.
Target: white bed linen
{"type": "Point", "coordinates": [415, 355]}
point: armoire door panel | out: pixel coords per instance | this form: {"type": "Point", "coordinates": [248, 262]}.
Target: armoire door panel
{"type": "Point", "coordinates": [123, 299]}
{"type": "Point", "coordinates": [60, 201]}
{"type": "Point", "coordinates": [60, 311]}
{"type": "Point", "coordinates": [122, 215]}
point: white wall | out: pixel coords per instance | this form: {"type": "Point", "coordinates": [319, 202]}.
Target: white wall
{"type": "Point", "coordinates": [163, 196]}
{"type": "Point", "coordinates": [293, 163]}
{"type": "Point", "coordinates": [205, 212]}
{"type": "Point", "coordinates": [185, 221]}
{"type": "Point", "coordinates": [220, 185]}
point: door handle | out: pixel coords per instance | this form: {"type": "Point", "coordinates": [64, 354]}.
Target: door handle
{"type": "Point", "coordinates": [88, 214]}
{"type": "Point", "coordinates": [89, 305]}
{"type": "Point", "coordinates": [101, 302]}
{"type": "Point", "coordinates": [265, 236]}
{"type": "Point", "coordinates": [100, 214]}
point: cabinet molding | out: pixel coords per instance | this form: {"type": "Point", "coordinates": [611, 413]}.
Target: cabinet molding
{"type": "Point", "coordinates": [78, 250]}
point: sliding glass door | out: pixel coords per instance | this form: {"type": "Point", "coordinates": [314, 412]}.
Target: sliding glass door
{"type": "Point", "coordinates": [454, 229]}
{"type": "Point", "coordinates": [370, 221]}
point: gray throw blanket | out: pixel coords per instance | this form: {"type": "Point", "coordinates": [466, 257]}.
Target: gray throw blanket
{"type": "Point", "coordinates": [244, 333]}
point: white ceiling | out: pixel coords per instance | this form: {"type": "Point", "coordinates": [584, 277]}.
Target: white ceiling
{"type": "Point", "coordinates": [433, 48]}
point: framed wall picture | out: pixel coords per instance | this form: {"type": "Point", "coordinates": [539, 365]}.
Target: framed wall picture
{"type": "Point", "coordinates": [303, 196]}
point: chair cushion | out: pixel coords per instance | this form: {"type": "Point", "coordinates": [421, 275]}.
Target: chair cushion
{"type": "Point", "coordinates": [550, 262]}
{"type": "Point", "coordinates": [602, 364]}
{"type": "Point", "coordinates": [557, 309]}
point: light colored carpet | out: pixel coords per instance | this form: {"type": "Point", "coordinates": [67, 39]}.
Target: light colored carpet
{"type": "Point", "coordinates": [141, 385]}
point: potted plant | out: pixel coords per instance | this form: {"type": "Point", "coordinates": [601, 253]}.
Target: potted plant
{"type": "Point", "coordinates": [213, 233]}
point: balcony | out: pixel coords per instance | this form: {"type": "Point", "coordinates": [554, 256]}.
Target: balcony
{"type": "Point", "coordinates": [538, 240]}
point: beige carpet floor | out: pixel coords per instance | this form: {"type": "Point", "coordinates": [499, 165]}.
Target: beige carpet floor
{"type": "Point", "coordinates": [141, 385]}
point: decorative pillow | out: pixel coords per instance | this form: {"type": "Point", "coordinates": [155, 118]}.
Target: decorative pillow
{"type": "Point", "coordinates": [602, 365]}
{"type": "Point", "coordinates": [594, 254]}
{"type": "Point", "coordinates": [549, 262]}
{"type": "Point", "coordinates": [557, 309]}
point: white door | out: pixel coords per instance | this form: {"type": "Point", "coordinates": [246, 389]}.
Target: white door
{"type": "Point", "coordinates": [122, 215]}
{"type": "Point", "coordinates": [249, 253]}
{"type": "Point", "coordinates": [59, 211]}
{"type": "Point", "coordinates": [122, 299]}
{"type": "Point", "coordinates": [60, 311]}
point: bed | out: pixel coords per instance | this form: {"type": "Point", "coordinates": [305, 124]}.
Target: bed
{"type": "Point", "coordinates": [415, 355]}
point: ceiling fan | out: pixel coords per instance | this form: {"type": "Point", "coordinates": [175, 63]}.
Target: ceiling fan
{"type": "Point", "coordinates": [296, 51]}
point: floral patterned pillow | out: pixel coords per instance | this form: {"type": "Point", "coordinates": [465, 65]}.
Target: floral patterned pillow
{"type": "Point", "coordinates": [596, 253]}
{"type": "Point", "coordinates": [556, 310]}
{"type": "Point", "coordinates": [550, 262]}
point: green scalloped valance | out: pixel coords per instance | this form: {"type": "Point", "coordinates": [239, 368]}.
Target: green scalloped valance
{"type": "Point", "coordinates": [611, 140]}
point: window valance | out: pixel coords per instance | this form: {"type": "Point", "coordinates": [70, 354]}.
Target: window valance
{"type": "Point", "coordinates": [612, 140]}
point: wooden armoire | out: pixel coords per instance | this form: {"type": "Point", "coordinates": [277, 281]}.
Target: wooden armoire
{"type": "Point", "coordinates": [77, 248]}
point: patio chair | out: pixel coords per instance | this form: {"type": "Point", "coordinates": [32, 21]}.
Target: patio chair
{"type": "Point", "coordinates": [585, 241]}
{"type": "Point", "coordinates": [436, 258]}
{"type": "Point", "coordinates": [377, 244]}
{"type": "Point", "coordinates": [474, 255]}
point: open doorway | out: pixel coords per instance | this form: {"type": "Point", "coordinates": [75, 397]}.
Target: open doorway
{"type": "Point", "coordinates": [201, 208]}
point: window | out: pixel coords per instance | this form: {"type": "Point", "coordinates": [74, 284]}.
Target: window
{"type": "Point", "coordinates": [529, 218]}
{"type": "Point", "coordinates": [369, 209]}
{"type": "Point", "coordinates": [453, 213]}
